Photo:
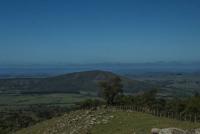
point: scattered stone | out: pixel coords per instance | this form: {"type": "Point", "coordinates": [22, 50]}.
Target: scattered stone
{"type": "Point", "coordinates": [155, 131]}
{"type": "Point", "coordinates": [172, 131]}
{"type": "Point", "coordinates": [111, 116]}
{"type": "Point", "coordinates": [193, 131]}
{"type": "Point", "coordinates": [79, 122]}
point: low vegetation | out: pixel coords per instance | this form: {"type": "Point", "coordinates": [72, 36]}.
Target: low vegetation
{"type": "Point", "coordinates": [15, 119]}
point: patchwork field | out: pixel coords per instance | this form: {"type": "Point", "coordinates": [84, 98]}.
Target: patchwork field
{"type": "Point", "coordinates": [43, 99]}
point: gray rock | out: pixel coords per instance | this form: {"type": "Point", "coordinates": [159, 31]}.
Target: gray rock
{"type": "Point", "coordinates": [197, 131]}
{"type": "Point", "coordinates": [194, 131]}
{"type": "Point", "coordinates": [155, 131]}
{"type": "Point", "coordinates": [172, 131]}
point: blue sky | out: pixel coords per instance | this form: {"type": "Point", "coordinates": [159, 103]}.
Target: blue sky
{"type": "Point", "coordinates": [98, 31]}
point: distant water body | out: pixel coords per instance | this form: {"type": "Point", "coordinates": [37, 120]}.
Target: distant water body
{"type": "Point", "coordinates": [118, 68]}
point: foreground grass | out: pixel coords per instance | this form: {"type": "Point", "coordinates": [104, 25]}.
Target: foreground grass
{"type": "Point", "coordinates": [40, 127]}
{"type": "Point", "coordinates": [122, 123]}
{"type": "Point", "coordinates": [140, 123]}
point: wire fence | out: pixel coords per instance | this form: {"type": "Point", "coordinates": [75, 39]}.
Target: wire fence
{"type": "Point", "coordinates": [195, 117]}
{"type": "Point", "coordinates": [167, 114]}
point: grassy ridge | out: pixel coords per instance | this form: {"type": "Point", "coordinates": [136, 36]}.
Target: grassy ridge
{"type": "Point", "coordinates": [140, 123]}
{"type": "Point", "coordinates": [122, 123]}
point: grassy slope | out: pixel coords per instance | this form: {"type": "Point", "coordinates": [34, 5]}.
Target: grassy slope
{"type": "Point", "coordinates": [126, 123]}
{"type": "Point", "coordinates": [76, 122]}
{"type": "Point", "coordinates": [40, 127]}
{"type": "Point", "coordinates": [122, 123]}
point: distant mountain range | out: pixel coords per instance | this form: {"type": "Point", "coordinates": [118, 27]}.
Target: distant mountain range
{"type": "Point", "coordinates": [86, 81]}
{"type": "Point", "coordinates": [13, 71]}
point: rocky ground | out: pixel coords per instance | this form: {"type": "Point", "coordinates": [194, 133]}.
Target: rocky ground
{"type": "Point", "coordinates": [174, 131]}
{"type": "Point", "coordinates": [77, 122]}
{"type": "Point", "coordinates": [104, 121]}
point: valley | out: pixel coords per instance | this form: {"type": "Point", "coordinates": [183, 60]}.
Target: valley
{"type": "Point", "coordinates": [38, 99]}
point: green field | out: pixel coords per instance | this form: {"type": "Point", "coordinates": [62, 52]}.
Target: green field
{"type": "Point", "coordinates": [15, 100]}
{"type": "Point", "coordinates": [122, 123]}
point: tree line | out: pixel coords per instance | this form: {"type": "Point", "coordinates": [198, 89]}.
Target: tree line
{"type": "Point", "coordinates": [12, 120]}
{"type": "Point", "coordinates": [149, 101]}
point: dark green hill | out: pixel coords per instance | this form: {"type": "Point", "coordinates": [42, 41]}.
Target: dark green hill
{"type": "Point", "coordinates": [70, 83]}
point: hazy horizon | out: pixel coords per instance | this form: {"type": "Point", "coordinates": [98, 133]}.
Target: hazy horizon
{"type": "Point", "coordinates": [134, 68]}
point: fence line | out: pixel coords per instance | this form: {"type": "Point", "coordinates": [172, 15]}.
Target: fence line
{"type": "Point", "coordinates": [167, 114]}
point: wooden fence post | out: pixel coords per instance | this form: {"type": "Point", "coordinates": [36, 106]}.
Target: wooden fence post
{"type": "Point", "coordinates": [195, 118]}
